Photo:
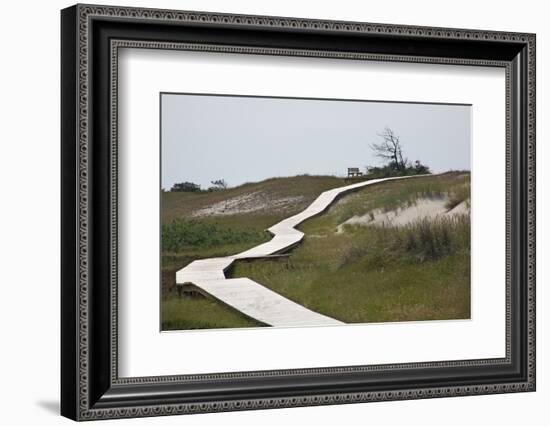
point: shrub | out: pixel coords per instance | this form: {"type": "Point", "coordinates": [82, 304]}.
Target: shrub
{"type": "Point", "coordinates": [390, 171]}
{"type": "Point", "coordinates": [185, 187]}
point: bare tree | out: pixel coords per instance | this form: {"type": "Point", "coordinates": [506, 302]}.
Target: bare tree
{"type": "Point", "coordinates": [390, 149]}
{"type": "Point", "coordinates": [218, 185]}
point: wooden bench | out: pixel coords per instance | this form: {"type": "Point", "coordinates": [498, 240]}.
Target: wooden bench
{"type": "Point", "coordinates": [354, 172]}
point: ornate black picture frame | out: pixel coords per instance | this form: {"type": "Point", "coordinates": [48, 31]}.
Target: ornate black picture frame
{"type": "Point", "coordinates": [91, 36]}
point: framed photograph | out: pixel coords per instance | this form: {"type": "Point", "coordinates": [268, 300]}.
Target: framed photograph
{"type": "Point", "coordinates": [263, 212]}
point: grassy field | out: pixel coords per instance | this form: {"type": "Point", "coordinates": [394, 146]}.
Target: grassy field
{"type": "Point", "coordinates": [364, 274]}
{"type": "Point", "coordinates": [188, 313]}
{"type": "Point", "coordinates": [187, 236]}
{"type": "Point", "coordinates": [371, 274]}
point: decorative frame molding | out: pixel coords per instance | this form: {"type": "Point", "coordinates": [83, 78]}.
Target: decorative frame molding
{"type": "Point", "coordinates": [91, 37]}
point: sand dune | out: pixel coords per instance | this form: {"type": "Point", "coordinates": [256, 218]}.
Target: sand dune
{"type": "Point", "coordinates": [429, 208]}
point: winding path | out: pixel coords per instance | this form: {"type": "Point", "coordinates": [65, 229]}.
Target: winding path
{"type": "Point", "coordinates": [251, 298]}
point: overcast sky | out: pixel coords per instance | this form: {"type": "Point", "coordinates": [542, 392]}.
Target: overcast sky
{"type": "Point", "coordinates": [246, 139]}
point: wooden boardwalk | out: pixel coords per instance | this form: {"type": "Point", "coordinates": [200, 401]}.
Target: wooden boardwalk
{"type": "Point", "coordinates": [251, 298]}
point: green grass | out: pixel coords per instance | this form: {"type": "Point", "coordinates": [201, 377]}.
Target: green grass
{"type": "Point", "coordinates": [198, 313]}
{"type": "Point", "coordinates": [182, 234]}
{"type": "Point", "coordinates": [185, 238]}
{"type": "Point", "coordinates": [378, 274]}
{"type": "Point", "coordinates": [365, 274]}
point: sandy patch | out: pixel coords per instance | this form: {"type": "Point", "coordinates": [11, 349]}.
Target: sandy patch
{"type": "Point", "coordinates": [248, 203]}
{"type": "Point", "coordinates": [429, 208]}
{"type": "Point", "coordinates": [461, 208]}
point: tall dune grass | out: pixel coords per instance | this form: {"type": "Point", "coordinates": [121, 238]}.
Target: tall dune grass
{"type": "Point", "coordinates": [419, 271]}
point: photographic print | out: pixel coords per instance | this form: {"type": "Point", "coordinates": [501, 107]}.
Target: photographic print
{"type": "Point", "coordinates": [270, 184]}
{"type": "Point", "coordinates": [279, 212]}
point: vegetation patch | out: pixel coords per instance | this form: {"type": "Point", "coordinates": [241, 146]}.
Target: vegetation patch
{"type": "Point", "coordinates": [185, 239]}
{"type": "Point", "coordinates": [182, 233]}
{"type": "Point", "coordinates": [387, 197]}
{"type": "Point", "coordinates": [187, 313]}
{"type": "Point", "coordinates": [420, 271]}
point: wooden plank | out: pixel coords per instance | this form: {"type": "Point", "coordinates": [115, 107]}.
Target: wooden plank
{"type": "Point", "coordinates": [262, 304]}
